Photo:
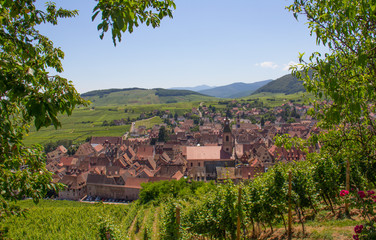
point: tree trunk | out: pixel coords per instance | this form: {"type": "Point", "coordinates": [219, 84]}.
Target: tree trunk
{"type": "Point", "coordinates": [298, 209]}
{"type": "Point", "coordinates": [283, 219]}
{"type": "Point", "coordinates": [331, 204]}
{"type": "Point", "coordinates": [271, 226]}
{"type": "Point", "coordinates": [253, 227]}
{"type": "Point", "coordinates": [311, 203]}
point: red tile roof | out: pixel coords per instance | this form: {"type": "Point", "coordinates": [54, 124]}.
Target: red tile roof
{"type": "Point", "coordinates": [203, 152]}
{"type": "Point", "coordinates": [132, 182]}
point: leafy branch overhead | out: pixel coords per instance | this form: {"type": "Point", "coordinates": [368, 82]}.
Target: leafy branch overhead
{"type": "Point", "coordinates": [29, 95]}
{"type": "Point", "coordinates": [124, 15]}
{"type": "Point", "coordinates": [345, 75]}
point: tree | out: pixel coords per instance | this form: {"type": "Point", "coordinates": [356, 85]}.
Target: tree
{"type": "Point", "coordinates": [343, 80]}
{"type": "Point", "coordinates": [162, 135]}
{"type": "Point", "coordinates": [29, 95]}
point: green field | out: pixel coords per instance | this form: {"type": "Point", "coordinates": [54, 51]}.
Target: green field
{"type": "Point", "coordinates": [149, 123]}
{"type": "Point", "coordinates": [87, 121]}
{"type": "Point", "coordinates": [84, 122]}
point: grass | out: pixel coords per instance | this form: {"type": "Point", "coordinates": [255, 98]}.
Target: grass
{"type": "Point", "coordinates": [149, 123]}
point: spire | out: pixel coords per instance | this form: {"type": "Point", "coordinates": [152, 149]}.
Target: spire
{"type": "Point", "coordinates": [227, 126]}
{"type": "Point", "coordinates": [227, 144]}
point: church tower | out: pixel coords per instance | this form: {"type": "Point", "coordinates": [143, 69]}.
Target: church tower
{"type": "Point", "coordinates": [227, 143]}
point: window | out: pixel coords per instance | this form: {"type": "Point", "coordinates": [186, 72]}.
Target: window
{"type": "Point", "coordinates": [227, 138]}
{"type": "Point", "coordinates": [191, 164]}
{"type": "Point", "coordinates": [199, 164]}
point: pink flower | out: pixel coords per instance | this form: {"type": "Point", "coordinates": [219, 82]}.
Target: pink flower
{"type": "Point", "coordinates": [358, 228]}
{"type": "Point", "coordinates": [356, 237]}
{"type": "Point", "coordinates": [370, 192]}
{"type": "Point", "coordinates": [361, 194]}
{"type": "Point", "coordinates": [343, 193]}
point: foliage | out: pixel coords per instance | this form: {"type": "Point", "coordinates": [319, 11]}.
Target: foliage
{"type": "Point", "coordinates": [122, 16]}
{"type": "Point", "coordinates": [163, 134]}
{"type": "Point", "coordinates": [343, 81]}
{"type": "Point", "coordinates": [157, 192]}
{"type": "Point", "coordinates": [366, 202]}
{"type": "Point", "coordinates": [51, 219]}
{"type": "Point", "coordinates": [169, 226]}
{"type": "Point", "coordinates": [28, 94]}
{"type": "Point", "coordinates": [49, 147]}
{"type": "Point", "coordinates": [107, 229]}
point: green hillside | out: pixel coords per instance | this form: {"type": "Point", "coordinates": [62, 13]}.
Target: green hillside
{"type": "Point", "coordinates": [89, 121]}
{"type": "Point", "coordinates": [277, 99]}
{"type": "Point", "coordinates": [287, 84]}
{"type": "Point", "coordinates": [139, 96]}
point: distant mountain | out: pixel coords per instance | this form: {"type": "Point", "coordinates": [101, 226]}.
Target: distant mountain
{"type": "Point", "coordinates": [138, 96]}
{"type": "Point", "coordinates": [234, 90]}
{"type": "Point", "coordinates": [287, 84]}
{"type": "Point", "coordinates": [195, 89]}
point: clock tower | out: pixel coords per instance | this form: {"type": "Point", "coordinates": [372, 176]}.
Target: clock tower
{"type": "Point", "coordinates": [227, 143]}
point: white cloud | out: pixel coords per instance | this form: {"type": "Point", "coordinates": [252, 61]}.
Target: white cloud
{"type": "Point", "coordinates": [286, 67]}
{"type": "Point", "coordinates": [267, 65]}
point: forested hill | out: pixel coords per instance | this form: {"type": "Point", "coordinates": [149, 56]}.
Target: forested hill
{"type": "Point", "coordinates": [287, 84]}
{"type": "Point", "coordinates": [103, 92]}
{"type": "Point", "coordinates": [135, 96]}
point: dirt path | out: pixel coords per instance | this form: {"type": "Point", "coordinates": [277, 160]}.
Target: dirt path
{"type": "Point", "coordinates": [130, 230]}
{"type": "Point", "coordinates": [139, 236]}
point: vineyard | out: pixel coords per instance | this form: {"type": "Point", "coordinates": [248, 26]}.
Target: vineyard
{"type": "Point", "coordinates": [74, 220]}
{"type": "Point", "coordinates": [197, 210]}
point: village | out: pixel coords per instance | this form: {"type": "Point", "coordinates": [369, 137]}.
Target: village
{"type": "Point", "coordinates": [205, 145]}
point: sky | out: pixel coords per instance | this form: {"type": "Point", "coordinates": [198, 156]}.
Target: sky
{"type": "Point", "coordinates": [211, 42]}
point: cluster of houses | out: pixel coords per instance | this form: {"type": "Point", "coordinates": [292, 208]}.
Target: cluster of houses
{"type": "Point", "coordinates": [115, 167]}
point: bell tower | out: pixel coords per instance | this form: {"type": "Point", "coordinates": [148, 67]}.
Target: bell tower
{"type": "Point", "coordinates": [227, 143]}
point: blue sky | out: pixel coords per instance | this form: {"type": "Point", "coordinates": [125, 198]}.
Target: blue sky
{"type": "Point", "coordinates": [212, 42]}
